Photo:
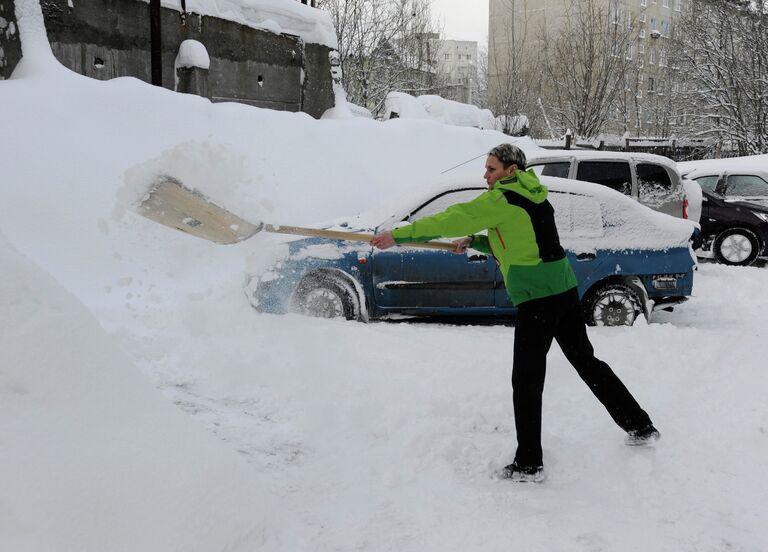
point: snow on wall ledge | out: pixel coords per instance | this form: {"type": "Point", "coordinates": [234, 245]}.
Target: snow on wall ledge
{"type": "Point", "coordinates": [276, 16]}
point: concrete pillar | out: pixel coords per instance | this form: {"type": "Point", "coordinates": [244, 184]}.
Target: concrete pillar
{"type": "Point", "coordinates": [193, 80]}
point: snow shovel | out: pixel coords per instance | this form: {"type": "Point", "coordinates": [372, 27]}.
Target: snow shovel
{"type": "Point", "coordinates": [171, 204]}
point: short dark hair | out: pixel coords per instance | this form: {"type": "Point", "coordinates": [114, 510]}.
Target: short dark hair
{"type": "Point", "coordinates": [509, 155]}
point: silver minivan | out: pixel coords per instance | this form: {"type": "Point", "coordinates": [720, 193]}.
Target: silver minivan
{"type": "Point", "coordinates": [650, 179]}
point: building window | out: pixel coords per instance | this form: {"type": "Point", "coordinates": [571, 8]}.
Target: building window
{"type": "Point", "coordinates": [447, 56]}
{"type": "Point", "coordinates": [651, 56]}
{"type": "Point", "coordinates": [665, 3]}
{"type": "Point", "coordinates": [651, 84]}
{"type": "Point", "coordinates": [643, 3]}
{"type": "Point", "coordinates": [678, 5]}
{"type": "Point", "coordinates": [642, 33]}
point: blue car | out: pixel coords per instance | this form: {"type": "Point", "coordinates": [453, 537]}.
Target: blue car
{"type": "Point", "coordinates": [629, 261]}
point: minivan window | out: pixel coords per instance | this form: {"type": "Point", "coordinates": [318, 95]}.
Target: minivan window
{"type": "Point", "coordinates": [559, 169]}
{"type": "Point", "coordinates": [746, 185]}
{"type": "Point", "coordinates": [652, 181]}
{"type": "Point", "coordinates": [613, 174]}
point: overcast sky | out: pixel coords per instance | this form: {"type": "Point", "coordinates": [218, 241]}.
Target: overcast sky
{"type": "Point", "coordinates": [463, 19]}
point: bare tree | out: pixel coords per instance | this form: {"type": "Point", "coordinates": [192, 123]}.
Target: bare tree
{"type": "Point", "coordinates": [384, 45]}
{"type": "Point", "coordinates": [481, 97]}
{"type": "Point", "coordinates": [514, 80]}
{"type": "Point", "coordinates": [723, 52]}
{"type": "Point", "coordinates": [586, 64]}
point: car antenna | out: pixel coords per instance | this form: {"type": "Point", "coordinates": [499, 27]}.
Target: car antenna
{"type": "Point", "coordinates": [464, 163]}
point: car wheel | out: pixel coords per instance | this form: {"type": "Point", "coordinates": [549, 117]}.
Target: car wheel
{"type": "Point", "coordinates": [325, 296]}
{"type": "Point", "coordinates": [736, 247]}
{"type": "Point", "coordinates": [613, 305]}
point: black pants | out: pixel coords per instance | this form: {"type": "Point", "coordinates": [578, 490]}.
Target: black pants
{"type": "Point", "coordinates": [538, 322]}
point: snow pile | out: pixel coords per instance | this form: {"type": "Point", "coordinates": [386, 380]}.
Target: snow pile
{"type": "Point", "coordinates": [97, 456]}
{"type": "Point", "coordinates": [402, 105]}
{"type": "Point", "coordinates": [192, 54]}
{"type": "Point", "coordinates": [456, 113]}
{"type": "Point", "coordinates": [512, 124]}
{"type": "Point", "coordinates": [276, 16]}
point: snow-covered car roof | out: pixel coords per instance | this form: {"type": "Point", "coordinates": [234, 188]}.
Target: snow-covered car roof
{"type": "Point", "coordinates": [625, 222]}
{"type": "Point", "coordinates": [542, 155]}
{"type": "Point", "coordinates": [754, 164]}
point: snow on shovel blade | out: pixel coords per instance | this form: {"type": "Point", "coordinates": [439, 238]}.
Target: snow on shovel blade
{"type": "Point", "coordinates": [171, 204]}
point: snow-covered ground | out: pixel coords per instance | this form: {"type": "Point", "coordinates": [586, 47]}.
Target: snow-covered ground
{"type": "Point", "coordinates": [144, 405]}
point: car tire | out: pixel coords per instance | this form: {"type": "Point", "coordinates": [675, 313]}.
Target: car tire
{"type": "Point", "coordinates": [613, 304]}
{"type": "Point", "coordinates": [325, 295]}
{"type": "Point", "coordinates": [736, 247]}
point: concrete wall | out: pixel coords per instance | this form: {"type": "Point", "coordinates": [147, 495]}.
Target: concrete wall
{"type": "Point", "coordinates": [10, 46]}
{"type": "Point", "coordinates": [104, 39]}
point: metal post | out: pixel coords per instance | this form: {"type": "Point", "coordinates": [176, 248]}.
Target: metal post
{"type": "Point", "coordinates": [155, 38]}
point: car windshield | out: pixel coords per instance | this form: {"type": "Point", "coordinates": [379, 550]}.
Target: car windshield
{"type": "Point", "coordinates": [441, 202]}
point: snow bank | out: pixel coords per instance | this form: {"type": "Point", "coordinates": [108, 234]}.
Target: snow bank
{"type": "Point", "coordinates": [435, 108]}
{"type": "Point", "coordinates": [98, 455]}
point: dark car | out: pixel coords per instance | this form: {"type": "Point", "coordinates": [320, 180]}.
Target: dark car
{"type": "Point", "coordinates": [734, 215]}
{"type": "Point", "coordinates": [628, 259]}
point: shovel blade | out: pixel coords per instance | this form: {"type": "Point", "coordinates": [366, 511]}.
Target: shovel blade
{"type": "Point", "coordinates": [171, 204]}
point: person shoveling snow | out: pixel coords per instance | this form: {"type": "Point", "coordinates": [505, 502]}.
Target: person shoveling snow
{"type": "Point", "coordinates": [541, 283]}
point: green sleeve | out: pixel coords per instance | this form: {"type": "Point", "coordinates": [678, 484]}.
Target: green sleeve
{"type": "Point", "coordinates": [462, 219]}
{"type": "Point", "coordinates": [480, 243]}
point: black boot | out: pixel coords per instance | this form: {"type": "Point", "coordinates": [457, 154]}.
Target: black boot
{"type": "Point", "coordinates": [642, 437]}
{"type": "Point", "coordinates": [523, 474]}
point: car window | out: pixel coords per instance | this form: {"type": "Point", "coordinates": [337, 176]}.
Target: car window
{"type": "Point", "coordinates": [577, 215]}
{"type": "Point", "coordinates": [708, 183]}
{"type": "Point", "coordinates": [443, 201]}
{"type": "Point", "coordinates": [559, 169]}
{"type": "Point", "coordinates": [652, 181]}
{"type": "Point", "coordinates": [614, 174]}
{"type": "Point", "coordinates": [746, 185]}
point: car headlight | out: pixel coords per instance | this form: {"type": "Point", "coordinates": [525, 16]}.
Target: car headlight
{"type": "Point", "coordinates": [761, 216]}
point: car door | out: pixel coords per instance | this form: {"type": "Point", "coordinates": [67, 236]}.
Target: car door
{"type": "Point", "coordinates": [413, 279]}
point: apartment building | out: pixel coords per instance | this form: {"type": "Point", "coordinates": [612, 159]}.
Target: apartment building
{"type": "Point", "coordinates": [517, 28]}
{"type": "Point", "coordinates": [457, 69]}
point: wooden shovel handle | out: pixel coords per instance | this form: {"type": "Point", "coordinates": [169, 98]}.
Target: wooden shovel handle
{"type": "Point", "coordinates": [348, 236]}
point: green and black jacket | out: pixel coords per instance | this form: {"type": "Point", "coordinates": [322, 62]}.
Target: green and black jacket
{"type": "Point", "coordinates": [522, 235]}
